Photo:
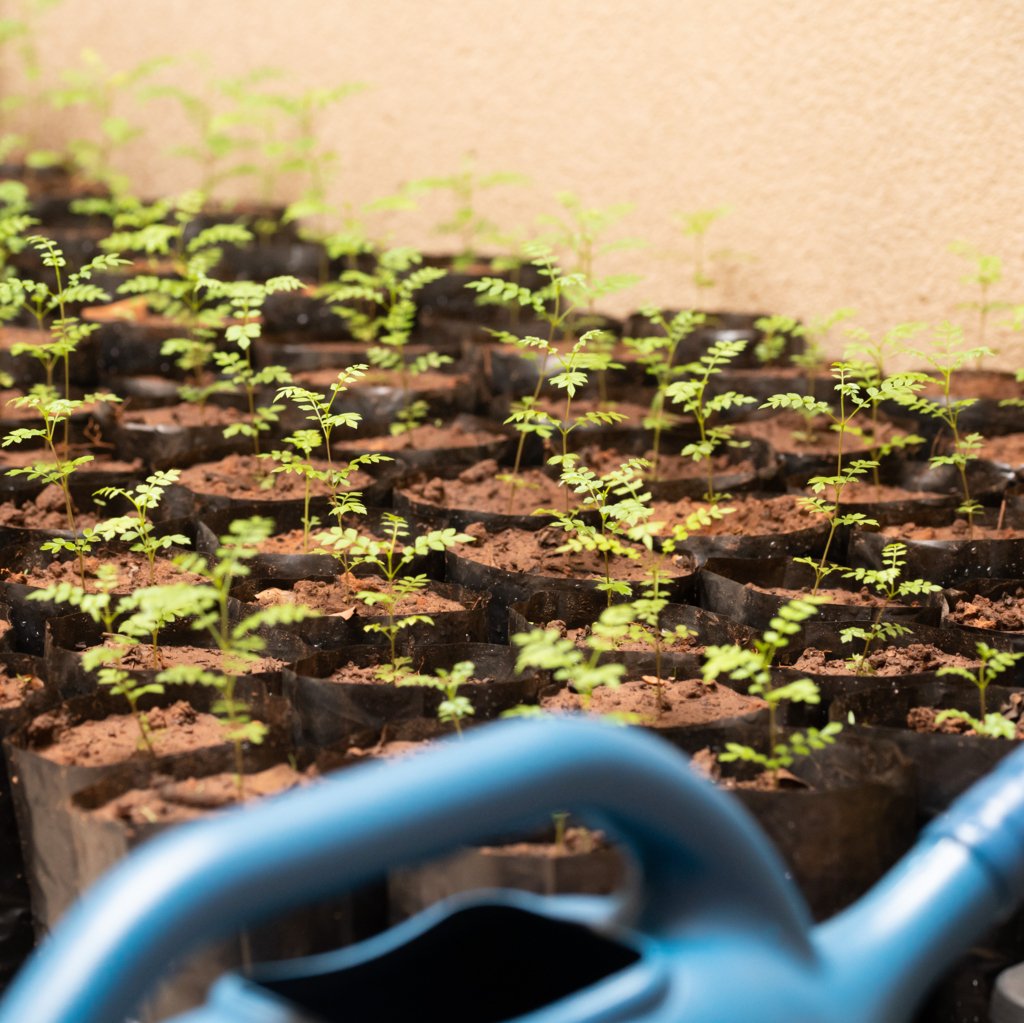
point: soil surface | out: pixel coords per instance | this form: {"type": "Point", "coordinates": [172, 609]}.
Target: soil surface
{"type": "Point", "coordinates": [791, 432]}
{"type": "Point", "coordinates": [536, 552]}
{"type": "Point", "coordinates": [922, 719]}
{"type": "Point", "coordinates": [169, 801]}
{"type": "Point", "coordinates": [478, 488]}
{"type": "Point", "coordinates": [869, 493]}
{"type": "Point", "coordinates": [366, 675]}
{"type": "Point", "coordinates": [682, 703]}
{"type": "Point", "coordinates": [752, 515]}
{"type": "Point", "coordinates": [139, 657]}
{"type": "Point", "coordinates": [885, 660]}
{"type": "Point", "coordinates": [338, 597]}
{"type": "Point", "coordinates": [1004, 613]}
{"type": "Point", "coordinates": [14, 687]}
{"type": "Point", "coordinates": [133, 573]}
{"type": "Point", "coordinates": [46, 511]}
{"type": "Point", "coordinates": [134, 310]}
{"type": "Point", "coordinates": [1008, 449]}
{"type": "Point", "coordinates": [575, 842]}
{"type": "Point", "coordinates": [849, 598]}
{"type": "Point", "coordinates": [111, 740]}
{"type": "Point", "coordinates": [185, 415]}
{"type": "Point", "coordinates": [679, 645]}
{"type": "Point", "coordinates": [670, 466]}
{"type": "Point", "coordinates": [251, 478]}
{"type": "Point", "coordinates": [424, 438]}
{"type": "Point", "coordinates": [959, 530]}
{"type": "Point", "coordinates": [420, 383]}
{"type": "Point", "coordinates": [633, 412]}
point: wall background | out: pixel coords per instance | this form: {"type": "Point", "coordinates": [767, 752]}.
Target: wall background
{"type": "Point", "coordinates": [852, 142]}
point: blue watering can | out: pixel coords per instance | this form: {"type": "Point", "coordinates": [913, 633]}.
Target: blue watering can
{"type": "Point", "coordinates": [711, 933]}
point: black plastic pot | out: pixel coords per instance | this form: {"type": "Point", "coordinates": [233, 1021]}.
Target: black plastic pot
{"type": "Point", "coordinates": [943, 561]}
{"type": "Point", "coordinates": [506, 587]}
{"type": "Point", "coordinates": [946, 765]}
{"type": "Point", "coordinates": [841, 832]}
{"type": "Point", "coordinates": [1009, 590]}
{"type": "Point", "coordinates": [334, 715]}
{"type": "Point", "coordinates": [738, 587]}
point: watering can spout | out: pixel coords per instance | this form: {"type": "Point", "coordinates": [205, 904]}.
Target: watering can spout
{"type": "Point", "coordinates": [965, 875]}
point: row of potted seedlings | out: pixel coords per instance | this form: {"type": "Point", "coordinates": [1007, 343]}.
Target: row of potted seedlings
{"type": "Point", "coordinates": [255, 529]}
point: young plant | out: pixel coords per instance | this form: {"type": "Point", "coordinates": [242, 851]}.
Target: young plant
{"type": "Point", "coordinates": [466, 223]}
{"type": "Point", "coordinates": [390, 557]}
{"type": "Point", "coordinates": [887, 583]}
{"type": "Point", "coordinates": [549, 650]}
{"type": "Point", "coordinates": [947, 356]}
{"type": "Point", "coordinates": [390, 292]}
{"type": "Point", "coordinates": [691, 394]}
{"type": "Point", "coordinates": [754, 667]}
{"type": "Point", "coordinates": [813, 358]}
{"type": "Point", "coordinates": [658, 354]}
{"type": "Point", "coordinates": [454, 708]}
{"type": "Point", "coordinates": [239, 642]}
{"type": "Point", "coordinates": [986, 272]}
{"type": "Point", "coordinates": [696, 224]}
{"type": "Point", "coordinates": [776, 331]}
{"type": "Point", "coordinates": [136, 528]}
{"type": "Point", "coordinates": [993, 663]}
{"type": "Point", "coordinates": [623, 509]}
{"type": "Point", "coordinates": [245, 301]}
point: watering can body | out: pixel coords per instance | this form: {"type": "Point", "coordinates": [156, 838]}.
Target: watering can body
{"type": "Point", "coordinates": [710, 930]}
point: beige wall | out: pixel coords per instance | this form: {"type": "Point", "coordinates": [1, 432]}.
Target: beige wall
{"type": "Point", "coordinates": [852, 141]}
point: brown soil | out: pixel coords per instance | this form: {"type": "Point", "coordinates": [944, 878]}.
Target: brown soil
{"type": "Point", "coordinates": [1008, 449]}
{"type": "Point", "coordinates": [684, 645]}
{"type": "Point", "coordinates": [111, 740]}
{"type": "Point", "coordinates": [45, 511]}
{"type": "Point", "coordinates": [366, 675]}
{"type": "Point", "coordinates": [477, 488]}
{"type": "Point", "coordinates": [536, 552]}
{"type": "Point", "coordinates": [139, 657]}
{"type": "Point", "coordinates": [134, 309]}
{"type": "Point", "coordinates": [169, 802]}
{"type": "Point", "coordinates": [184, 415]}
{"type": "Point", "coordinates": [14, 688]}
{"type": "Point", "coordinates": [421, 383]}
{"type": "Point", "coordinates": [788, 431]}
{"type": "Point", "coordinates": [576, 842]}
{"type": "Point", "coordinates": [922, 719]}
{"type": "Point", "coordinates": [707, 764]}
{"type": "Point", "coordinates": [670, 466]}
{"type": "Point", "coordinates": [869, 493]}
{"type": "Point", "coordinates": [633, 412]}
{"type": "Point", "coordinates": [244, 476]}
{"type": "Point", "coordinates": [1005, 613]}
{"type": "Point", "coordinates": [9, 411]}
{"type": "Point", "coordinates": [11, 336]}
{"type": "Point", "coordinates": [844, 598]}
{"type": "Point", "coordinates": [336, 598]}
{"type": "Point", "coordinates": [424, 438]}
{"type": "Point", "coordinates": [753, 515]}
{"type": "Point", "coordinates": [133, 573]}
{"type": "Point", "coordinates": [684, 702]}
{"type": "Point", "coordinates": [886, 660]}
{"type": "Point", "coordinates": [980, 384]}
{"type": "Point", "coordinates": [959, 530]}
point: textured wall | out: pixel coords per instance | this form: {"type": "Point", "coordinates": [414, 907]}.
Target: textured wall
{"type": "Point", "coordinates": [852, 141]}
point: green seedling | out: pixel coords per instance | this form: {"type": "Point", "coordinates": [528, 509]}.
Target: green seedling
{"type": "Point", "coordinates": [471, 228]}
{"type": "Point", "coordinates": [887, 583]}
{"type": "Point", "coordinates": [390, 558]}
{"type": "Point", "coordinates": [776, 331]}
{"type": "Point", "coordinates": [136, 528]}
{"type": "Point", "coordinates": [691, 394]}
{"type": "Point", "coordinates": [657, 354]}
{"type": "Point", "coordinates": [947, 356]}
{"type": "Point", "coordinates": [696, 224]}
{"type": "Point", "coordinates": [454, 708]}
{"type": "Point", "coordinates": [15, 221]}
{"type": "Point", "coordinates": [993, 663]}
{"type": "Point", "coordinates": [813, 359]}
{"type": "Point", "coordinates": [239, 642]}
{"type": "Point", "coordinates": [754, 666]}
{"type": "Point", "coordinates": [986, 272]}
{"type": "Point", "coordinates": [390, 292]}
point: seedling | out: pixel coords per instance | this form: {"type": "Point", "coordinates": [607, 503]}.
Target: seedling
{"type": "Point", "coordinates": [454, 708]}
{"type": "Point", "coordinates": [238, 642]}
{"type": "Point", "coordinates": [775, 332]}
{"type": "Point", "coordinates": [390, 557]}
{"type": "Point", "coordinates": [755, 667]}
{"type": "Point", "coordinates": [993, 663]}
{"type": "Point", "coordinates": [813, 358]}
{"type": "Point", "coordinates": [136, 528]}
{"type": "Point", "coordinates": [691, 394]}
{"type": "Point", "coordinates": [658, 354]}
{"type": "Point", "coordinates": [390, 291]}
{"type": "Point", "coordinates": [986, 272]}
{"type": "Point", "coordinates": [885, 582]}
{"type": "Point", "coordinates": [623, 508]}
{"type": "Point", "coordinates": [946, 357]}
{"type": "Point", "coordinates": [548, 650]}
{"type": "Point", "coordinates": [696, 224]}
{"type": "Point", "coordinates": [466, 223]}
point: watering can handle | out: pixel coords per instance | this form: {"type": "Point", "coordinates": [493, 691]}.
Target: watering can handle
{"type": "Point", "coordinates": [700, 854]}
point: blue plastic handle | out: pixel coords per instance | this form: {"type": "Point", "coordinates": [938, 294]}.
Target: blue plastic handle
{"type": "Point", "coordinates": [702, 858]}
